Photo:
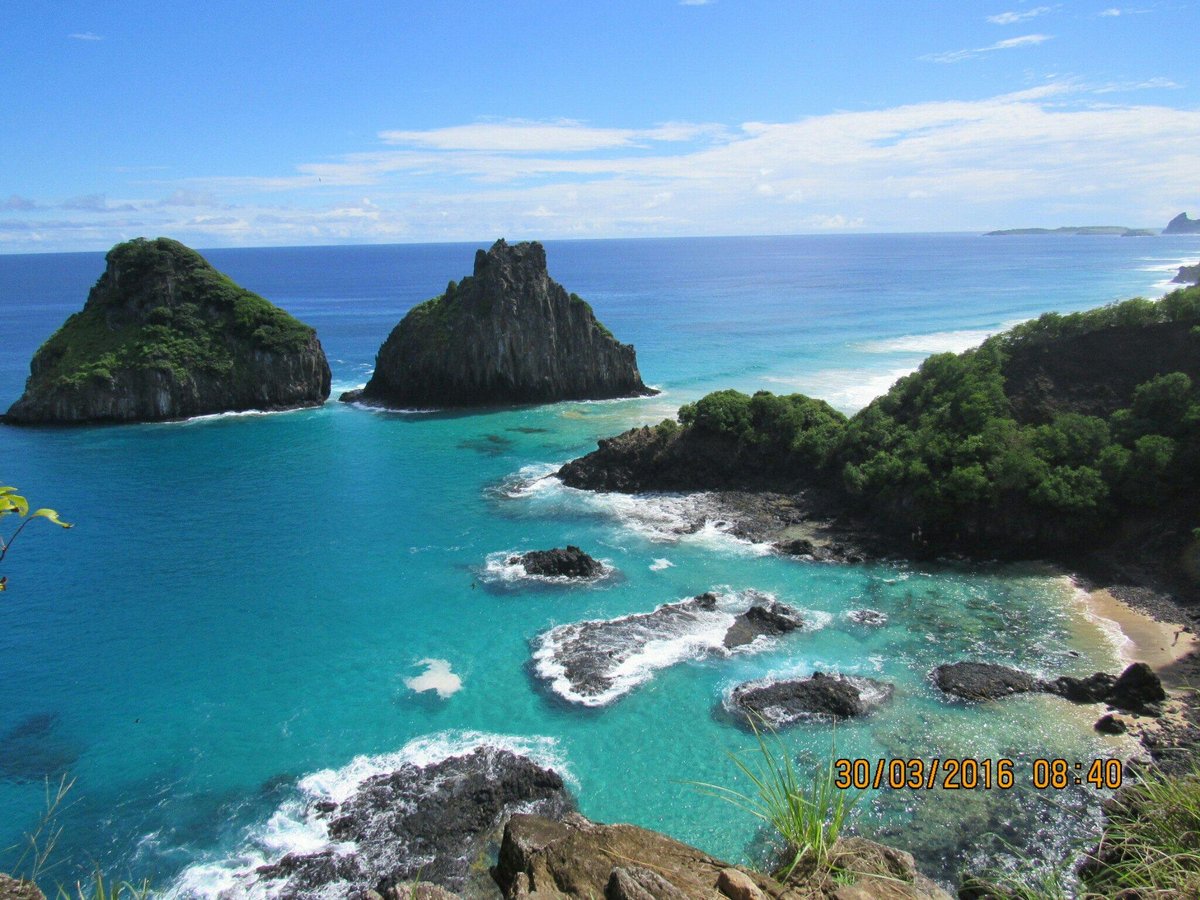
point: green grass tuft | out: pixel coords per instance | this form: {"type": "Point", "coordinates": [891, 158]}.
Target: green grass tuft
{"type": "Point", "coordinates": [807, 814]}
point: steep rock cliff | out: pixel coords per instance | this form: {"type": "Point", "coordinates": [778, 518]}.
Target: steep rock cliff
{"type": "Point", "coordinates": [164, 335]}
{"type": "Point", "coordinates": [506, 334]}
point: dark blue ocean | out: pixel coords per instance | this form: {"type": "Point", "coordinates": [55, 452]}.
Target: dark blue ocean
{"type": "Point", "coordinates": [237, 621]}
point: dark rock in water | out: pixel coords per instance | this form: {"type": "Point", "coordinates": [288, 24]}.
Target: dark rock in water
{"type": "Point", "coordinates": [557, 563]}
{"type": "Point", "coordinates": [1188, 275]}
{"type": "Point", "coordinates": [164, 335]}
{"type": "Point", "coordinates": [770, 618]}
{"type": "Point", "coordinates": [1136, 689]}
{"type": "Point", "coordinates": [1093, 689]}
{"type": "Point", "coordinates": [1181, 224]}
{"type": "Point", "coordinates": [1110, 724]}
{"type": "Point", "coordinates": [982, 681]}
{"type": "Point", "coordinates": [586, 655]}
{"type": "Point", "coordinates": [432, 823]}
{"type": "Point", "coordinates": [871, 617]}
{"type": "Point", "coordinates": [506, 334]}
{"type": "Point", "coordinates": [782, 703]}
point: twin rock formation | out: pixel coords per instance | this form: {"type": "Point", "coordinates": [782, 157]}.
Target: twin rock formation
{"type": "Point", "coordinates": [164, 335]}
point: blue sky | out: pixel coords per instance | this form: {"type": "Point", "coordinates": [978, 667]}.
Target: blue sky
{"type": "Point", "coordinates": [226, 124]}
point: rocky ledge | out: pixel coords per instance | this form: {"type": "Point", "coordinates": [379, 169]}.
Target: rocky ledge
{"type": "Point", "coordinates": [506, 334]}
{"type": "Point", "coordinates": [164, 335]}
{"type": "Point", "coordinates": [558, 563]}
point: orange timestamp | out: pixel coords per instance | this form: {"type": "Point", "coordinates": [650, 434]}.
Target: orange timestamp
{"type": "Point", "coordinates": [972, 774]}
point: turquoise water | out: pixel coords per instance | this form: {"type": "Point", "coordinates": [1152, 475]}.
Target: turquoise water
{"type": "Point", "coordinates": [243, 597]}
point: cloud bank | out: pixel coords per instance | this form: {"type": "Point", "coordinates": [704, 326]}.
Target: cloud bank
{"type": "Point", "coordinates": [1060, 153]}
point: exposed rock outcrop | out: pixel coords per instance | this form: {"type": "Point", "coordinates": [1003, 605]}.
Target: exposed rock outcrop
{"type": "Point", "coordinates": [559, 563]}
{"type": "Point", "coordinates": [164, 335]}
{"type": "Point", "coordinates": [768, 619]}
{"type": "Point", "coordinates": [506, 334]}
{"type": "Point", "coordinates": [542, 859]}
{"type": "Point", "coordinates": [433, 823]}
{"type": "Point", "coordinates": [1181, 224]}
{"type": "Point", "coordinates": [783, 703]}
{"type": "Point", "coordinates": [1137, 689]}
{"type": "Point", "coordinates": [1188, 275]}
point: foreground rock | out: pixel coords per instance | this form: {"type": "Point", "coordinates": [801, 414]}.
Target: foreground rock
{"type": "Point", "coordinates": [1136, 690]}
{"type": "Point", "coordinates": [506, 334]}
{"type": "Point", "coordinates": [557, 563]}
{"type": "Point", "coordinates": [431, 823]}
{"type": "Point", "coordinates": [164, 335]}
{"type": "Point", "coordinates": [16, 889]}
{"type": "Point", "coordinates": [783, 703]}
{"type": "Point", "coordinates": [595, 662]}
{"type": "Point", "coordinates": [541, 859]}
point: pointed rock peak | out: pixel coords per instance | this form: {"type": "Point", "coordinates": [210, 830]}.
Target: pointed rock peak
{"type": "Point", "coordinates": [529, 256]}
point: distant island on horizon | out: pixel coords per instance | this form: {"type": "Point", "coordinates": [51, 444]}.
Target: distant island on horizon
{"type": "Point", "coordinates": [1181, 224]}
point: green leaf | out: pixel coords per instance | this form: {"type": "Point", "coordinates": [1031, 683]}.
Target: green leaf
{"type": "Point", "coordinates": [10, 502]}
{"type": "Point", "coordinates": [52, 516]}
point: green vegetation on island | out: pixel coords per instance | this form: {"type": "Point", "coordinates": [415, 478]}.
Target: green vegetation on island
{"type": "Point", "coordinates": [1005, 448]}
{"type": "Point", "coordinates": [188, 333]}
{"type": "Point", "coordinates": [165, 335]}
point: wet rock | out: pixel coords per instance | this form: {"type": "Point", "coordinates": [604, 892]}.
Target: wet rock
{"type": "Point", "coordinates": [1110, 724]}
{"type": "Point", "coordinates": [783, 703]}
{"type": "Point", "coordinates": [982, 681]}
{"type": "Point", "coordinates": [771, 618]}
{"type": "Point", "coordinates": [432, 823]}
{"type": "Point", "coordinates": [559, 563]}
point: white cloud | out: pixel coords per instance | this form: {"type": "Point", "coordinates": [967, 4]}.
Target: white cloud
{"type": "Point", "coordinates": [1011, 18]}
{"type": "Point", "coordinates": [86, 36]}
{"type": "Point", "coordinates": [1043, 155]}
{"type": "Point", "coordinates": [953, 56]}
{"type": "Point", "coordinates": [696, 2]}
{"type": "Point", "coordinates": [1111, 11]}
{"type": "Point", "coordinates": [563, 136]}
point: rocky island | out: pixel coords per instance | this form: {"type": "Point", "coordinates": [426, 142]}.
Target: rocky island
{"type": "Point", "coordinates": [164, 335]}
{"type": "Point", "coordinates": [1181, 224]}
{"type": "Point", "coordinates": [507, 334]}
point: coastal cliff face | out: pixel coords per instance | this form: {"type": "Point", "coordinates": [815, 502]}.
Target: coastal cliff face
{"type": "Point", "coordinates": [506, 334]}
{"type": "Point", "coordinates": [163, 335]}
